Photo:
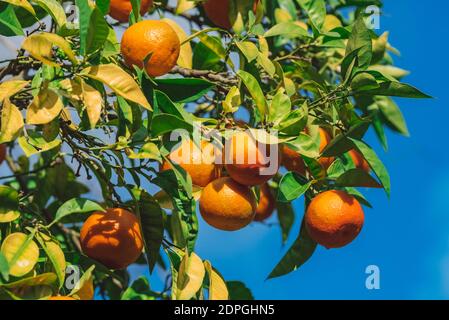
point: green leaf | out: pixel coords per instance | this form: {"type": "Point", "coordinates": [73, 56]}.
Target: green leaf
{"type": "Point", "coordinates": [342, 143]}
{"type": "Point", "coordinates": [364, 81]}
{"type": "Point", "coordinates": [151, 223]}
{"type": "Point", "coordinates": [214, 44]}
{"type": "Point", "coordinates": [255, 91]}
{"type": "Point", "coordinates": [55, 254]}
{"type": "Point", "coordinates": [392, 114]}
{"type": "Point", "coordinates": [316, 10]}
{"type": "Point", "coordinates": [395, 89]}
{"type": "Point", "coordinates": [139, 290]}
{"type": "Point", "coordinates": [175, 256]}
{"type": "Point", "coordinates": [248, 49]}
{"type": "Point", "coordinates": [9, 204]}
{"type": "Point", "coordinates": [4, 267]}
{"type": "Point", "coordinates": [135, 13]}
{"type": "Point", "coordinates": [301, 250]}
{"type": "Point", "coordinates": [98, 31]}
{"type": "Point", "coordinates": [374, 162]}
{"type": "Point", "coordinates": [360, 39]}
{"type": "Point", "coordinates": [305, 145]}
{"type": "Point", "coordinates": [291, 187]}
{"type": "Point", "coordinates": [357, 178]}
{"type": "Point", "coordinates": [36, 143]}
{"type": "Point", "coordinates": [279, 108]}
{"type": "Point", "coordinates": [164, 123]}
{"type": "Point", "coordinates": [76, 205]}
{"type": "Point", "coordinates": [184, 89]}
{"type": "Point", "coordinates": [9, 24]}
{"type": "Point", "coordinates": [148, 151]}
{"type": "Point", "coordinates": [238, 291]}
{"type": "Point", "coordinates": [294, 122]}
{"type": "Point", "coordinates": [167, 106]}
{"type": "Point", "coordinates": [84, 22]}
{"type": "Point", "coordinates": [288, 30]}
{"type": "Point", "coordinates": [286, 217]}
{"type": "Point", "coordinates": [178, 185]}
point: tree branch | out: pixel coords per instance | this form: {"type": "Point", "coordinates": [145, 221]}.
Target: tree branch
{"type": "Point", "coordinates": [223, 78]}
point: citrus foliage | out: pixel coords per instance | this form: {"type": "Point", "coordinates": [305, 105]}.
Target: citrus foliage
{"type": "Point", "coordinates": [75, 115]}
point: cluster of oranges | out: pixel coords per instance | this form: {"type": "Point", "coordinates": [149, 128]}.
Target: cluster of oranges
{"type": "Point", "coordinates": [228, 201]}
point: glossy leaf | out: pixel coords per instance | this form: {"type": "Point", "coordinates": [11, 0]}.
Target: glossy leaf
{"type": "Point", "coordinates": [298, 254]}
{"type": "Point", "coordinates": [291, 187]}
{"type": "Point", "coordinates": [119, 81]}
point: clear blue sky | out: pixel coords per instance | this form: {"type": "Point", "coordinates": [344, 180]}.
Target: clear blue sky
{"type": "Point", "coordinates": [406, 236]}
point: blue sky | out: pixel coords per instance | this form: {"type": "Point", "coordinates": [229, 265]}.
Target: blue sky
{"type": "Point", "coordinates": [407, 236]}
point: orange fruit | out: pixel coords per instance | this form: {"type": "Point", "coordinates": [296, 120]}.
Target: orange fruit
{"type": "Point", "coordinates": [61, 298]}
{"type": "Point", "coordinates": [334, 218]}
{"type": "Point", "coordinates": [266, 204]}
{"type": "Point", "coordinates": [151, 37]}
{"type": "Point", "coordinates": [325, 138]}
{"type": "Point", "coordinates": [218, 12]}
{"type": "Point", "coordinates": [121, 9]}
{"type": "Point", "coordinates": [2, 153]}
{"type": "Point", "coordinates": [199, 163]}
{"type": "Point", "coordinates": [112, 238]}
{"type": "Point", "coordinates": [227, 205]}
{"type": "Point", "coordinates": [292, 160]}
{"type": "Point", "coordinates": [248, 161]}
{"type": "Point", "coordinates": [359, 161]}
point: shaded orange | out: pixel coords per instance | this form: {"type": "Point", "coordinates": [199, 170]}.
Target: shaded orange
{"type": "Point", "coordinates": [325, 138]}
{"type": "Point", "coordinates": [198, 163]}
{"type": "Point", "coordinates": [112, 238]}
{"type": "Point", "coordinates": [218, 12]}
{"type": "Point", "coordinates": [334, 218]}
{"type": "Point", "coordinates": [227, 205]}
{"type": "Point", "coordinates": [359, 161]}
{"type": "Point", "coordinates": [121, 9]}
{"type": "Point", "coordinates": [292, 160]}
{"type": "Point", "coordinates": [266, 205]}
{"type": "Point", "coordinates": [151, 37]}
{"type": "Point", "coordinates": [248, 161]}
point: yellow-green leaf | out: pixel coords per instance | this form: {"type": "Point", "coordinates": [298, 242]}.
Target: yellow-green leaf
{"type": "Point", "coordinates": [248, 49]}
{"type": "Point", "coordinates": [190, 276]}
{"type": "Point", "coordinates": [255, 91]}
{"type": "Point", "coordinates": [282, 15]}
{"type": "Point", "coordinates": [55, 254]}
{"type": "Point", "coordinates": [21, 252]}
{"type": "Point", "coordinates": [232, 102]}
{"type": "Point", "coordinates": [11, 122]}
{"type": "Point", "coordinates": [184, 5]}
{"type": "Point", "coordinates": [119, 81]}
{"type": "Point", "coordinates": [45, 107]}
{"type": "Point", "coordinates": [40, 45]}
{"type": "Point", "coordinates": [217, 286]}
{"type": "Point", "coordinates": [185, 55]}
{"type": "Point", "coordinates": [55, 9]}
{"type": "Point", "coordinates": [22, 3]}
{"type": "Point", "coordinates": [92, 100]}
{"type": "Point", "coordinates": [10, 88]}
{"type": "Point", "coordinates": [44, 279]}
